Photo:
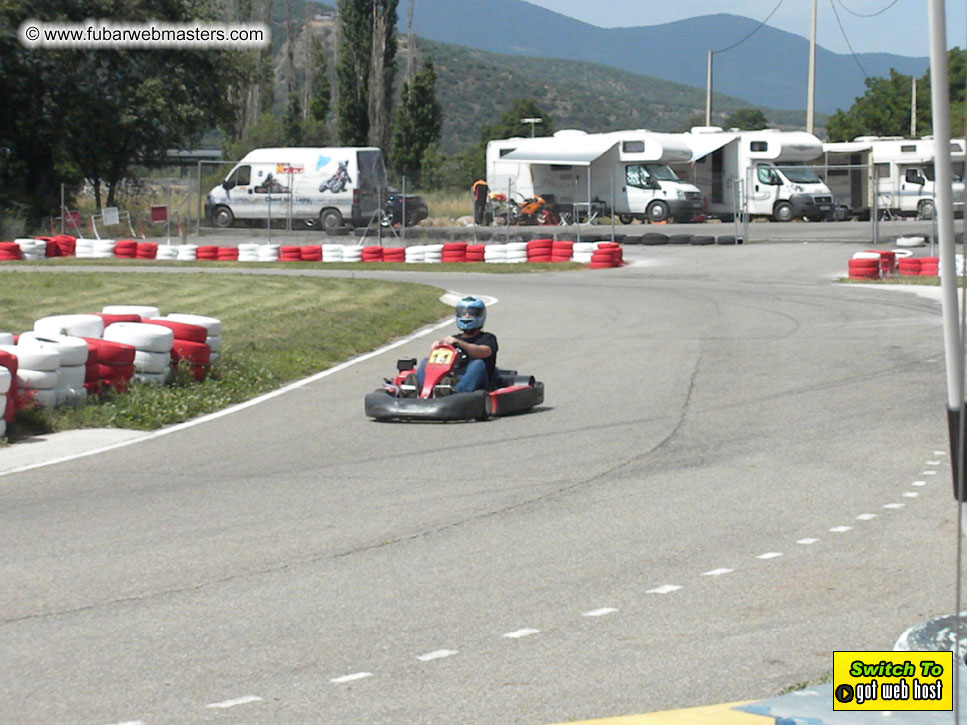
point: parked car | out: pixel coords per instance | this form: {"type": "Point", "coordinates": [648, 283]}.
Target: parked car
{"type": "Point", "coordinates": [416, 210]}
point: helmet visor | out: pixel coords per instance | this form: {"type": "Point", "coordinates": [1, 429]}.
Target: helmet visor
{"type": "Point", "coordinates": [468, 311]}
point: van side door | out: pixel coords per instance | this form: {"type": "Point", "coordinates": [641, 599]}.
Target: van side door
{"type": "Point", "coordinates": [639, 188]}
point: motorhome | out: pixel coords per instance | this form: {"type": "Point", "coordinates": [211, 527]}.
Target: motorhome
{"type": "Point", "coordinates": [759, 173]}
{"type": "Point", "coordinates": [625, 173]}
{"type": "Point", "coordinates": [901, 170]}
{"type": "Point", "coordinates": [328, 187]}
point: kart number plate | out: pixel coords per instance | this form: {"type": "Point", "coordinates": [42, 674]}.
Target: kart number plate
{"type": "Point", "coordinates": [441, 357]}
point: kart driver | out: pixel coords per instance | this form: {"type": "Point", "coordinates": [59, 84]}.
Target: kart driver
{"type": "Point", "coordinates": [480, 347]}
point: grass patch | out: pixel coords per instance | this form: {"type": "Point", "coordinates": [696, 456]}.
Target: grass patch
{"type": "Point", "coordinates": [899, 280]}
{"type": "Point", "coordinates": [825, 679]}
{"type": "Point", "coordinates": [275, 329]}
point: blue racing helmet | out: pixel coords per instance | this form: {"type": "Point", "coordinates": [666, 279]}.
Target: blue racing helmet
{"type": "Point", "coordinates": [471, 313]}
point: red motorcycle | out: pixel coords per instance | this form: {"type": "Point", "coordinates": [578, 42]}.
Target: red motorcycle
{"type": "Point", "coordinates": [402, 399]}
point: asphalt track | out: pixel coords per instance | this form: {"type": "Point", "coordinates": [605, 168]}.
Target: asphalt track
{"type": "Point", "coordinates": [717, 494]}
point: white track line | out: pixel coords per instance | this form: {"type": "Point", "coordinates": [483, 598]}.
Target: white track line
{"type": "Point", "coordinates": [436, 655]}
{"type": "Point", "coordinates": [237, 701]}
{"type": "Point", "coordinates": [717, 572]}
{"type": "Point", "coordinates": [806, 542]}
{"type": "Point", "coordinates": [664, 589]}
{"type": "Point", "coordinates": [770, 555]}
{"type": "Point", "coordinates": [894, 505]}
{"type": "Point", "coordinates": [450, 296]}
{"type": "Point", "coordinates": [351, 678]}
{"type": "Point", "coordinates": [841, 529]}
{"type": "Point", "coordinates": [599, 612]}
{"type": "Point", "coordinates": [866, 517]}
{"type": "Point", "coordinates": [919, 483]}
{"type": "Point", "coordinates": [517, 634]}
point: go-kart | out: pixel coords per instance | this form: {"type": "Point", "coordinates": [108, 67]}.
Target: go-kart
{"type": "Point", "coordinates": [402, 398]}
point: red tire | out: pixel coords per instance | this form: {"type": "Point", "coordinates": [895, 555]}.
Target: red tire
{"type": "Point", "coordinates": [112, 353]}
{"type": "Point", "coordinates": [197, 353]}
{"type": "Point", "coordinates": [182, 330]}
{"type": "Point", "coordinates": [111, 319]}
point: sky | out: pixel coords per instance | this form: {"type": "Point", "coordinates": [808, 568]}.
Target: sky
{"type": "Point", "coordinates": [901, 28]}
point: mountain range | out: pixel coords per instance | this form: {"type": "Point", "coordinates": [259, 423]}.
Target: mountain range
{"type": "Point", "coordinates": [768, 69]}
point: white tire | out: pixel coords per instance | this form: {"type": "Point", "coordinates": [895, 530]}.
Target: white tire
{"type": "Point", "coordinates": [516, 246]}
{"type": "Point", "coordinates": [583, 247]}
{"type": "Point", "coordinates": [144, 378]}
{"type": "Point", "coordinates": [911, 241]}
{"type": "Point", "coordinates": [77, 325]}
{"type": "Point", "coordinates": [37, 379]}
{"type": "Point", "coordinates": [866, 255]}
{"type": "Point", "coordinates": [71, 376]}
{"type": "Point", "coordinates": [72, 396]}
{"type": "Point", "coordinates": [6, 378]}
{"type": "Point", "coordinates": [903, 253]}
{"type": "Point", "coordinates": [46, 398]}
{"type": "Point", "coordinates": [73, 350]}
{"type": "Point", "coordinates": [140, 310]}
{"type": "Point", "coordinates": [212, 324]}
{"type": "Point", "coordinates": [214, 342]}
{"type": "Point", "coordinates": [151, 362]}
{"type": "Point", "coordinates": [148, 338]}
{"type": "Point", "coordinates": [3, 428]}
{"type": "Point", "coordinates": [101, 246]}
{"type": "Point", "coordinates": [34, 358]}
{"type": "Point", "coordinates": [167, 252]}
{"type": "Point", "coordinates": [187, 252]}
{"type": "Point", "coordinates": [6, 338]}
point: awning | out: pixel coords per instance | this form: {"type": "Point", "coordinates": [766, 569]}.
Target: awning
{"type": "Point", "coordinates": [702, 144]}
{"type": "Point", "coordinates": [846, 147]}
{"type": "Point", "coordinates": [568, 151]}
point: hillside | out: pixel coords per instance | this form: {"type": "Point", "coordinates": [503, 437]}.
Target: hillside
{"type": "Point", "coordinates": [768, 69]}
{"type": "Point", "coordinates": [476, 86]}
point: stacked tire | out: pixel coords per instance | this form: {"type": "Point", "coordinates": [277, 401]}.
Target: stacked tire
{"type": "Point", "coordinates": [415, 254]}
{"type": "Point", "coordinates": [331, 252]}
{"type": "Point", "coordinates": [208, 252]}
{"type": "Point", "coordinates": [72, 370]}
{"type": "Point", "coordinates": [248, 253]}
{"type": "Point", "coordinates": [495, 253]}
{"type": "Point", "coordinates": [887, 261]}
{"type": "Point", "coordinates": [37, 376]}
{"type": "Point", "coordinates": [311, 253]}
{"type": "Point", "coordinates": [187, 252]}
{"type": "Point", "coordinates": [516, 252]}
{"type": "Point", "coordinates": [540, 250]}
{"type": "Point", "coordinates": [110, 366]}
{"type": "Point", "coordinates": [352, 254]}
{"type": "Point", "coordinates": [394, 254]}
{"type": "Point", "coordinates": [372, 253]}
{"type": "Point", "coordinates": [454, 252]}
{"type": "Point", "coordinates": [909, 267]}
{"type": "Point", "coordinates": [290, 253]}
{"type": "Point", "coordinates": [476, 252]}
{"type": "Point", "coordinates": [8, 389]}
{"type": "Point", "coordinates": [189, 345]}
{"type": "Point", "coordinates": [929, 266]}
{"type": "Point", "coordinates": [126, 249]}
{"type": "Point", "coordinates": [227, 254]}
{"type": "Point", "coordinates": [582, 252]}
{"type": "Point", "coordinates": [561, 251]}
{"type": "Point", "coordinates": [865, 265]}
{"type": "Point", "coordinates": [212, 326]}
{"type": "Point", "coordinates": [167, 252]}
{"type": "Point", "coordinates": [268, 252]}
{"type": "Point", "coordinates": [32, 249]}
{"type": "Point", "coordinates": [146, 250]}
{"type": "Point", "coordinates": [152, 344]}
{"type": "Point", "coordinates": [10, 251]}
{"type": "Point", "coordinates": [607, 254]}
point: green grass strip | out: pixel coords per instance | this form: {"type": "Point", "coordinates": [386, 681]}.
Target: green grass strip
{"type": "Point", "coordinates": [274, 329]}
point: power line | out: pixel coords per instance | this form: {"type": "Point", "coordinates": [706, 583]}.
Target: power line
{"type": "Point", "coordinates": [832, 4]}
{"type": "Point", "coordinates": [758, 28]}
{"type": "Point", "coordinates": [870, 15]}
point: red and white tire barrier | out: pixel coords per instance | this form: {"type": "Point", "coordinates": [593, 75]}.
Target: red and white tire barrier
{"type": "Point", "coordinates": [211, 325]}
{"type": "Point", "coordinates": [8, 386]}
{"type": "Point", "coordinates": [37, 372]}
{"type": "Point", "coordinates": [110, 365]}
{"type": "Point", "coordinates": [141, 311]}
{"type": "Point", "coordinates": [540, 250]}
{"type": "Point", "coordinates": [77, 325]}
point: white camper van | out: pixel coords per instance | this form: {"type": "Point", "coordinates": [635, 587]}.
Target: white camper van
{"type": "Point", "coordinates": [574, 169]}
{"type": "Point", "coordinates": [328, 187]}
{"type": "Point", "coordinates": [761, 173]}
{"type": "Point", "coordinates": [903, 170]}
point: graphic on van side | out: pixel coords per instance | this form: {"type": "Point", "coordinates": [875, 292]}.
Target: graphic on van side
{"type": "Point", "coordinates": [271, 185]}
{"type": "Point", "coordinates": [338, 181]}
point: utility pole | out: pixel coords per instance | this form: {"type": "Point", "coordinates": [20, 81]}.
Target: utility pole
{"type": "Point", "coordinates": [533, 122]}
{"type": "Point", "coordinates": [811, 86]}
{"type": "Point", "coordinates": [708, 91]}
{"type": "Point", "coordinates": [913, 110]}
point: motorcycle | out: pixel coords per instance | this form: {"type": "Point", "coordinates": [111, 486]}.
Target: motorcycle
{"type": "Point", "coordinates": [530, 211]}
{"type": "Point", "coordinates": [404, 399]}
{"type": "Point", "coordinates": [338, 181]}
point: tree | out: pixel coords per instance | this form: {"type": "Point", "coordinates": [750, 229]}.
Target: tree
{"type": "Point", "coordinates": [510, 124]}
{"type": "Point", "coordinates": [419, 122]}
{"type": "Point", "coordinates": [320, 90]}
{"type": "Point", "coordinates": [747, 119]}
{"type": "Point", "coordinates": [294, 131]}
{"type": "Point", "coordinates": [104, 112]}
{"type": "Point", "coordinates": [884, 110]}
{"type": "Point", "coordinates": [365, 70]}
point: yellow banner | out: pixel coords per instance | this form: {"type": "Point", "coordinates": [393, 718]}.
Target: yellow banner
{"type": "Point", "coordinates": [893, 680]}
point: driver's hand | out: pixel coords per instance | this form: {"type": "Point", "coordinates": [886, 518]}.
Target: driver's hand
{"type": "Point", "coordinates": [450, 340]}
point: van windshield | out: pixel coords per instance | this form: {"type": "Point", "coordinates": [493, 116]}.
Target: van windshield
{"type": "Point", "coordinates": [958, 171]}
{"type": "Point", "coordinates": [799, 174]}
{"type": "Point", "coordinates": [662, 172]}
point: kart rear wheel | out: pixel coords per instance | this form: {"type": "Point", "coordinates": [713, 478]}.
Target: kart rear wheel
{"type": "Point", "coordinates": [487, 407]}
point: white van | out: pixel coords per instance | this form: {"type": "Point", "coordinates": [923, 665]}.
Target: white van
{"type": "Point", "coordinates": [904, 173]}
{"type": "Point", "coordinates": [328, 187]}
{"type": "Point", "coordinates": [761, 173]}
{"type": "Point", "coordinates": [622, 172]}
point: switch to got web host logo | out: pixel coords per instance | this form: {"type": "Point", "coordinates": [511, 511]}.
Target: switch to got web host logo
{"type": "Point", "coordinates": [893, 680]}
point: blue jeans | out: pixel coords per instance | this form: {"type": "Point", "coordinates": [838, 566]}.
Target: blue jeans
{"type": "Point", "coordinates": [473, 378]}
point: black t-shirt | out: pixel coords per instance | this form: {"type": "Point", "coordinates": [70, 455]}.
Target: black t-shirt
{"type": "Point", "coordinates": [479, 337]}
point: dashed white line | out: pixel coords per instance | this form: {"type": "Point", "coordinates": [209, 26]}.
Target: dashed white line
{"type": "Point", "coordinates": [928, 473]}
{"type": "Point", "coordinates": [130, 722]}
{"type": "Point", "coordinates": [436, 655]}
{"type": "Point", "coordinates": [841, 529]}
{"type": "Point", "coordinates": [909, 494]}
{"type": "Point", "coordinates": [919, 483]}
{"type": "Point", "coordinates": [769, 555]}
{"type": "Point", "coordinates": [940, 453]}
{"type": "Point", "coordinates": [866, 517]}
{"type": "Point", "coordinates": [664, 589]}
{"type": "Point", "coordinates": [237, 701]}
{"type": "Point", "coordinates": [526, 632]}
{"type": "Point", "coordinates": [717, 572]}
{"type": "Point", "coordinates": [351, 678]}
{"type": "Point", "coordinates": [933, 463]}
{"type": "Point", "coordinates": [894, 505]}
{"type": "Point", "coordinates": [806, 542]}
{"type": "Point", "coordinates": [599, 612]}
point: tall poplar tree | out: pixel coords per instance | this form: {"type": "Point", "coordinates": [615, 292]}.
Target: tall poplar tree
{"type": "Point", "coordinates": [419, 122]}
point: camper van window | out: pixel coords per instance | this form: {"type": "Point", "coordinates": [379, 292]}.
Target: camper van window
{"type": "Point", "coordinates": [909, 148]}
{"type": "Point", "coordinates": [242, 176]}
{"type": "Point", "coordinates": [800, 174]}
{"type": "Point", "coordinates": [958, 171]}
{"type": "Point", "coordinates": [767, 175]}
{"type": "Point", "coordinates": [662, 172]}
{"type": "Point", "coordinates": [637, 176]}
{"type": "Point", "coordinates": [758, 145]}
{"type": "Point", "coordinates": [881, 171]}
{"type": "Point", "coordinates": [633, 147]}
{"type": "Point", "coordinates": [927, 171]}
{"type": "Point", "coordinates": [561, 167]}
